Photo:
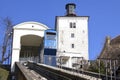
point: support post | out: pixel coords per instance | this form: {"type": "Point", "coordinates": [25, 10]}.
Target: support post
{"type": "Point", "coordinates": [106, 68]}
{"type": "Point", "coordinates": [99, 67]}
{"type": "Point", "coordinates": [115, 69]}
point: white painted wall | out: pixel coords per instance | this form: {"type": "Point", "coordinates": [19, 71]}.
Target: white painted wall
{"type": "Point", "coordinates": [64, 37]}
{"type": "Point", "coordinates": [26, 28]}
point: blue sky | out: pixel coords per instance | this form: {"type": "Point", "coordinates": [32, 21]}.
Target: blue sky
{"type": "Point", "coordinates": [104, 16]}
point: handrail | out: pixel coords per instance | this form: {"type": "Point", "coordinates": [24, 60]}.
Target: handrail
{"type": "Point", "coordinates": [22, 69]}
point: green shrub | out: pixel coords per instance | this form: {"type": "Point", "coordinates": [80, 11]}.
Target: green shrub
{"type": "Point", "coordinates": [3, 74]}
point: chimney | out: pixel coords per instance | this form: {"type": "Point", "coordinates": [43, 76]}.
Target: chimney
{"type": "Point", "coordinates": [70, 9]}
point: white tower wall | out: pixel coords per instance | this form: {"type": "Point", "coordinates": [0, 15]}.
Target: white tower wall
{"type": "Point", "coordinates": [72, 42]}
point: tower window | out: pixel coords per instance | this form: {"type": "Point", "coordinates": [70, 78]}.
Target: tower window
{"type": "Point", "coordinates": [83, 31]}
{"type": "Point", "coordinates": [72, 25]}
{"type": "Point", "coordinates": [72, 45]}
{"type": "Point", "coordinates": [72, 35]}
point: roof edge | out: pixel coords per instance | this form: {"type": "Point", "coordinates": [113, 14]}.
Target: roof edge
{"type": "Point", "coordinates": [30, 22]}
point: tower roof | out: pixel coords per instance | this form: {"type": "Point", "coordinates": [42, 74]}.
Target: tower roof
{"type": "Point", "coordinates": [70, 4]}
{"type": "Point", "coordinates": [70, 9]}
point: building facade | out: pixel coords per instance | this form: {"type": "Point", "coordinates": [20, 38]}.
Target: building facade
{"type": "Point", "coordinates": [72, 39]}
{"type": "Point", "coordinates": [27, 41]}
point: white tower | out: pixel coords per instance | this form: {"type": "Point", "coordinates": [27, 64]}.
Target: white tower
{"type": "Point", "coordinates": [72, 37]}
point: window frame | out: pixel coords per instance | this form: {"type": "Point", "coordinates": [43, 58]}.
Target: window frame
{"type": "Point", "coordinates": [72, 46]}
{"type": "Point", "coordinates": [72, 35]}
{"type": "Point", "coordinates": [72, 24]}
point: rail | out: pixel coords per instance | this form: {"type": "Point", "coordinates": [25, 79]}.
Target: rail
{"type": "Point", "coordinates": [93, 74]}
{"type": "Point", "coordinates": [24, 73]}
{"type": "Point", "coordinates": [53, 73]}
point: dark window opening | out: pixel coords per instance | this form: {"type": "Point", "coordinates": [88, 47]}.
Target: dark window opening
{"type": "Point", "coordinates": [72, 46]}
{"type": "Point", "coordinates": [49, 33]}
{"type": "Point", "coordinates": [72, 35]}
{"type": "Point", "coordinates": [72, 25]}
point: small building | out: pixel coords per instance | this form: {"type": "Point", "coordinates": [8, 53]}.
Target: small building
{"type": "Point", "coordinates": [27, 42]}
{"type": "Point", "coordinates": [111, 49]}
{"type": "Point", "coordinates": [50, 47]}
{"type": "Point", "coordinates": [110, 54]}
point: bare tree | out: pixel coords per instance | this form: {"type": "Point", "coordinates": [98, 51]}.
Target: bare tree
{"type": "Point", "coordinates": [7, 24]}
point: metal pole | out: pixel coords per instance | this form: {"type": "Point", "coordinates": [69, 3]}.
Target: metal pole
{"type": "Point", "coordinates": [61, 62]}
{"type": "Point", "coordinates": [8, 56]}
{"type": "Point", "coordinates": [44, 59]}
{"type": "Point", "coordinates": [50, 60]}
{"type": "Point", "coordinates": [99, 67]}
{"type": "Point", "coordinates": [75, 61]}
{"type": "Point", "coordinates": [115, 69]}
{"type": "Point", "coordinates": [106, 69]}
{"type": "Point", "coordinates": [78, 65]}
{"type": "Point", "coordinates": [82, 66]}
{"type": "Point", "coordinates": [111, 69]}
{"type": "Point", "coordinates": [24, 55]}
{"type": "Point", "coordinates": [68, 63]}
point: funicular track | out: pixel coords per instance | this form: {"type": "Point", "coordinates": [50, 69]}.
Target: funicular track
{"type": "Point", "coordinates": [37, 71]}
{"type": "Point", "coordinates": [52, 73]}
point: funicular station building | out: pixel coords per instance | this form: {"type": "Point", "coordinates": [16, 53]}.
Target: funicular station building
{"type": "Point", "coordinates": [27, 42]}
{"type": "Point", "coordinates": [68, 43]}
